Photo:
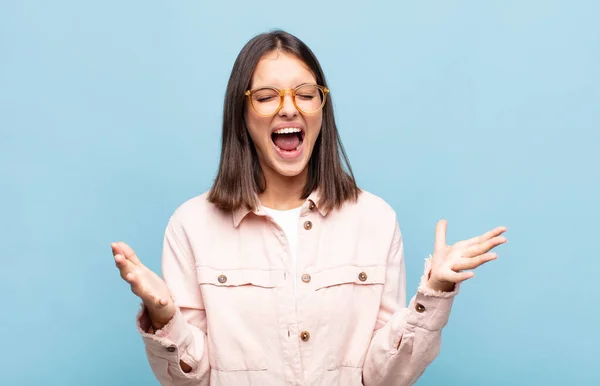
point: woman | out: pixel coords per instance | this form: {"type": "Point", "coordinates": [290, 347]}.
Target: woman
{"type": "Point", "coordinates": [285, 273]}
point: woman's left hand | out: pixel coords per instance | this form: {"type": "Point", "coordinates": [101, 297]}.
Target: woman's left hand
{"type": "Point", "coordinates": [449, 262]}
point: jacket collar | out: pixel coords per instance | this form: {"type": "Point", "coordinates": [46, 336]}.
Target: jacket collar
{"type": "Point", "coordinates": [311, 203]}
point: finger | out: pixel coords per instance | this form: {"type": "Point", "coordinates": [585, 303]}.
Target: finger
{"type": "Point", "coordinates": [119, 260]}
{"type": "Point", "coordinates": [440, 235]}
{"type": "Point", "coordinates": [474, 262]}
{"type": "Point", "coordinates": [125, 266]}
{"type": "Point", "coordinates": [116, 249]}
{"type": "Point", "coordinates": [160, 302]}
{"type": "Point", "coordinates": [131, 278]}
{"type": "Point", "coordinates": [134, 282]}
{"type": "Point", "coordinates": [486, 236]}
{"type": "Point", "coordinates": [486, 246]}
{"type": "Point", "coordinates": [129, 253]}
{"type": "Point", "coordinates": [458, 277]}
{"type": "Point", "coordinates": [139, 289]}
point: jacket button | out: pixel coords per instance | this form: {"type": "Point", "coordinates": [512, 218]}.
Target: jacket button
{"type": "Point", "coordinates": [362, 276]}
{"type": "Point", "coordinates": [305, 335]}
{"type": "Point", "coordinates": [311, 206]}
{"type": "Point", "coordinates": [171, 349]}
{"type": "Point", "coordinates": [306, 278]}
{"type": "Point", "coordinates": [308, 225]}
{"type": "Point", "coordinates": [222, 279]}
{"type": "Point", "coordinates": [419, 307]}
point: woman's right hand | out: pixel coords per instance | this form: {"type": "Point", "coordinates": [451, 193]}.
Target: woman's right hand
{"type": "Point", "coordinates": [146, 284]}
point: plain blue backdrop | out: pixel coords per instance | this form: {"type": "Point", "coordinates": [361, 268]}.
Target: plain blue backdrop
{"type": "Point", "coordinates": [484, 113]}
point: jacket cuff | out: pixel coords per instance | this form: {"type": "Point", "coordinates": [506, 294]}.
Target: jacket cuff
{"type": "Point", "coordinates": [171, 341]}
{"type": "Point", "coordinates": [430, 309]}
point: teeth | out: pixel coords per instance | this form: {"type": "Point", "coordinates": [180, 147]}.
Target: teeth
{"type": "Point", "coordinates": [288, 130]}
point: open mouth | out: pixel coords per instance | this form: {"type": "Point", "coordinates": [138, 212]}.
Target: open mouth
{"type": "Point", "coordinates": [288, 139]}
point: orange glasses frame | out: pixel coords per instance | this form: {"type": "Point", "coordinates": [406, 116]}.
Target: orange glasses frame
{"type": "Point", "coordinates": [281, 93]}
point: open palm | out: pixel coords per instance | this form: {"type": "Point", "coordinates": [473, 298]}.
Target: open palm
{"type": "Point", "coordinates": [450, 264]}
{"type": "Point", "coordinates": [146, 284]}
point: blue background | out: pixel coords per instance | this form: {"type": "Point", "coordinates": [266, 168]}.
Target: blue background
{"type": "Point", "coordinates": [485, 113]}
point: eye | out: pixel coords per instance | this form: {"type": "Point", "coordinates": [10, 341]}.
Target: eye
{"type": "Point", "coordinates": [308, 93]}
{"type": "Point", "coordinates": [265, 95]}
{"type": "Point", "coordinates": [264, 98]}
{"type": "Point", "coordinates": [306, 96]}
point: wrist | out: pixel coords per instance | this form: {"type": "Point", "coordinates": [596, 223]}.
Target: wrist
{"type": "Point", "coordinates": [438, 285]}
{"type": "Point", "coordinates": [444, 287]}
{"type": "Point", "coordinates": [155, 326]}
{"type": "Point", "coordinates": [161, 319]}
{"type": "Point", "coordinates": [158, 324]}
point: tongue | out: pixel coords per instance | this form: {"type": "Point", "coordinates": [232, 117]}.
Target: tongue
{"type": "Point", "coordinates": [286, 142]}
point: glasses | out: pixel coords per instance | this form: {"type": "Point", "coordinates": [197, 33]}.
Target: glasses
{"type": "Point", "coordinates": [308, 99]}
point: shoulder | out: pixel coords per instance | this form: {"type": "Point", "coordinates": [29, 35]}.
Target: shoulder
{"type": "Point", "coordinates": [198, 213]}
{"type": "Point", "coordinates": [369, 205]}
{"type": "Point", "coordinates": [369, 221]}
{"type": "Point", "coordinates": [370, 214]}
{"type": "Point", "coordinates": [371, 201]}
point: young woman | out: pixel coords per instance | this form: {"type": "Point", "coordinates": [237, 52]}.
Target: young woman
{"type": "Point", "coordinates": [285, 273]}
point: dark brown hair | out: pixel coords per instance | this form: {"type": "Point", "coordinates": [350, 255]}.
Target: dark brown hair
{"type": "Point", "coordinates": [240, 178]}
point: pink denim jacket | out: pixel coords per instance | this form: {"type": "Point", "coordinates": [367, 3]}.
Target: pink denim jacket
{"type": "Point", "coordinates": [238, 321]}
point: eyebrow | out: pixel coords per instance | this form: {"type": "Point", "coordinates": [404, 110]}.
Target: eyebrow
{"type": "Point", "coordinates": [302, 84]}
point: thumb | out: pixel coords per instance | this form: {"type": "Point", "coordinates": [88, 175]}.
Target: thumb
{"type": "Point", "coordinates": [440, 235]}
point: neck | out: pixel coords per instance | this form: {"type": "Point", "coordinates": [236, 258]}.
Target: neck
{"type": "Point", "coordinates": [282, 192]}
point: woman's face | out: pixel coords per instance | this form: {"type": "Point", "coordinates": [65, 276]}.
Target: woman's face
{"type": "Point", "coordinates": [284, 142]}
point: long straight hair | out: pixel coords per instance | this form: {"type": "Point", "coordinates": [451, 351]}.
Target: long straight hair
{"type": "Point", "coordinates": [240, 178]}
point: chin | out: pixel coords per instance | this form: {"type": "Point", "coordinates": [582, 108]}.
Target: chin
{"type": "Point", "coordinates": [288, 170]}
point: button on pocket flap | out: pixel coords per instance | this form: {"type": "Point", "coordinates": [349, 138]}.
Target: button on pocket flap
{"type": "Point", "coordinates": [349, 274]}
{"type": "Point", "coordinates": [238, 277]}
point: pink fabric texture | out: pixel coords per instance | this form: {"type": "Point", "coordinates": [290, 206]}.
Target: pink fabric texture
{"type": "Point", "coordinates": [239, 324]}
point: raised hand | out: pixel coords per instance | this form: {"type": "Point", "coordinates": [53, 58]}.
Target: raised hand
{"type": "Point", "coordinates": [146, 284]}
{"type": "Point", "coordinates": [450, 263]}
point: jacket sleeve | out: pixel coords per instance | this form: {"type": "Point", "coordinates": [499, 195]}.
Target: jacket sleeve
{"type": "Point", "coordinates": [184, 337]}
{"type": "Point", "coordinates": [406, 339]}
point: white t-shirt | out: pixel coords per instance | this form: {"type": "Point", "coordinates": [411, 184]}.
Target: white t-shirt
{"type": "Point", "coordinates": [288, 221]}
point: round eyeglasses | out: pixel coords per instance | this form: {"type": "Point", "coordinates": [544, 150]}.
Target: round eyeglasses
{"type": "Point", "coordinates": [308, 99]}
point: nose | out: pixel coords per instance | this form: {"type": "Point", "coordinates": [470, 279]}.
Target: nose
{"type": "Point", "coordinates": [288, 109]}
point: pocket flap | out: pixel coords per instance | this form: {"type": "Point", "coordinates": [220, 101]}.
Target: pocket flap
{"type": "Point", "coordinates": [238, 277]}
{"type": "Point", "coordinates": [349, 274]}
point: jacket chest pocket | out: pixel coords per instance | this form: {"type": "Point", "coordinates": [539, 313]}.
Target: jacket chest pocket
{"type": "Point", "coordinates": [241, 316]}
{"type": "Point", "coordinates": [351, 297]}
